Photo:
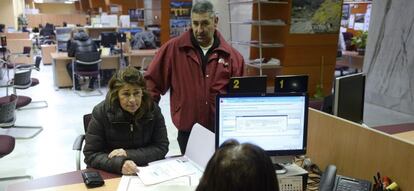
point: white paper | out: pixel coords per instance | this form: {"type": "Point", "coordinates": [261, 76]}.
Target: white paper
{"type": "Point", "coordinates": [351, 21]}
{"type": "Point", "coordinates": [166, 170]}
{"type": "Point", "coordinates": [109, 20]}
{"type": "Point", "coordinates": [124, 21]}
{"type": "Point", "coordinates": [133, 183]}
{"type": "Point", "coordinates": [201, 145]}
{"type": "Point", "coordinates": [358, 26]}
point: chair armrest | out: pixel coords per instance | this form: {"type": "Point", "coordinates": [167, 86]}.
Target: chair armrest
{"type": "Point", "coordinates": [25, 66]}
{"type": "Point", "coordinates": [20, 54]}
{"type": "Point", "coordinates": [77, 145]}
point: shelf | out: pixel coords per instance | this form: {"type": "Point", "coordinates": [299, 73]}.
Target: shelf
{"type": "Point", "coordinates": [274, 22]}
{"type": "Point", "coordinates": [257, 45]}
{"type": "Point", "coordinates": [354, 2]}
{"type": "Point", "coordinates": [263, 65]}
{"type": "Point", "coordinates": [258, 1]}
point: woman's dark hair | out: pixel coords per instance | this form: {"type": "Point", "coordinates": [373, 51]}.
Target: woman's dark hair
{"type": "Point", "coordinates": [241, 167]}
{"type": "Point", "coordinates": [131, 76]}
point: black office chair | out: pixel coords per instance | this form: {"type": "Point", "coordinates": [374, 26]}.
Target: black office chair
{"type": "Point", "coordinates": [77, 145]}
{"type": "Point", "coordinates": [87, 64]}
{"type": "Point", "coordinates": [8, 118]}
{"type": "Point", "coordinates": [7, 144]}
{"type": "Point", "coordinates": [23, 80]}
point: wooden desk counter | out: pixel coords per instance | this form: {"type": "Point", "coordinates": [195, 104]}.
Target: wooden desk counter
{"type": "Point", "coordinates": [359, 151]}
{"type": "Point", "coordinates": [353, 60]}
{"type": "Point", "coordinates": [46, 53]}
{"type": "Point", "coordinates": [141, 58]}
{"type": "Point", "coordinates": [61, 77]}
{"type": "Point", "coordinates": [110, 185]}
{"type": "Point", "coordinates": [66, 181]}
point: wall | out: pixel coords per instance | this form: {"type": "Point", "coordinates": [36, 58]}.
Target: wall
{"type": "Point", "coordinates": [56, 8]}
{"type": "Point", "coordinates": [10, 10]}
{"type": "Point", "coordinates": [389, 62]}
{"type": "Point", "coordinates": [222, 10]}
{"type": "Point", "coordinates": [6, 10]}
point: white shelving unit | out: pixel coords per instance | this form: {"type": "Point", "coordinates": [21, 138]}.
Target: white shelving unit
{"type": "Point", "coordinates": [243, 20]}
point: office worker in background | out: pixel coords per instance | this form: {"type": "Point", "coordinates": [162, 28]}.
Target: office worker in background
{"type": "Point", "coordinates": [2, 27]}
{"type": "Point", "coordinates": [241, 167]}
{"type": "Point", "coordinates": [81, 43]}
{"type": "Point", "coordinates": [144, 40]}
{"type": "Point", "coordinates": [127, 129]}
{"type": "Point", "coordinates": [195, 67]}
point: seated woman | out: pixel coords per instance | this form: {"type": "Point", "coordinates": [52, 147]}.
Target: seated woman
{"type": "Point", "coordinates": [127, 129]}
{"type": "Point", "coordinates": [241, 167]}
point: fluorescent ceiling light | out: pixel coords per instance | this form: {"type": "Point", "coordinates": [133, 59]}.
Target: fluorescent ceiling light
{"type": "Point", "coordinates": [68, 2]}
{"type": "Point", "coordinates": [38, 1]}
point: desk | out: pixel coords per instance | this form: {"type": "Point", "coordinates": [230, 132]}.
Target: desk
{"type": "Point", "coordinates": [46, 53]}
{"type": "Point", "coordinates": [353, 60]}
{"type": "Point", "coordinates": [141, 58]}
{"type": "Point", "coordinates": [358, 151]}
{"type": "Point", "coordinates": [61, 77]}
{"type": "Point", "coordinates": [95, 32]}
{"type": "Point", "coordinates": [67, 181]}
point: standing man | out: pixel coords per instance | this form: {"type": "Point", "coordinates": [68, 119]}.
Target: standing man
{"type": "Point", "coordinates": [195, 67]}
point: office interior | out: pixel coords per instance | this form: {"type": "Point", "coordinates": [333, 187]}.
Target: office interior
{"type": "Point", "coordinates": [388, 108]}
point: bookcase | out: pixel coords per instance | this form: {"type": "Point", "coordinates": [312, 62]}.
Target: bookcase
{"type": "Point", "coordinates": [266, 35]}
{"type": "Point", "coordinates": [262, 40]}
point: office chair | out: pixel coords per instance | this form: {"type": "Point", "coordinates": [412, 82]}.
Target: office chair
{"type": "Point", "coordinates": [8, 118]}
{"type": "Point", "coordinates": [77, 145]}
{"type": "Point", "coordinates": [22, 80]}
{"type": "Point", "coordinates": [87, 64]}
{"type": "Point", "coordinates": [26, 53]}
{"type": "Point", "coordinates": [7, 144]}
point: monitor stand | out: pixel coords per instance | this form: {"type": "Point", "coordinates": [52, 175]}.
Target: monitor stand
{"type": "Point", "coordinates": [278, 162]}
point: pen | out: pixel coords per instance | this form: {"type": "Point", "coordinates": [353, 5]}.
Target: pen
{"type": "Point", "coordinates": [375, 180]}
{"type": "Point", "coordinates": [379, 180]}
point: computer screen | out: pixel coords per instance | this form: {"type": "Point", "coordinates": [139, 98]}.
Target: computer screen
{"type": "Point", "coordinates": [247, 84]}
{"type": "Point", "coordinates": [349, 97]}
{"type": "Point", "coordinates": [108, 39]}
{"type": "Point", "coordinates": [275, 122]}
{"type": "Point", "coordinates": [291, 83]}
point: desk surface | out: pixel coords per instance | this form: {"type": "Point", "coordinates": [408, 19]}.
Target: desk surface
{"type": "Point", "coordinates": [149, 52]}
{"type": "Point", "coordinates": [66, 180]}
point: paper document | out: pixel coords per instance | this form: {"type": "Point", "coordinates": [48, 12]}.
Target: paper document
{"type": "Point", "coordinates": [166, 170]}
{"type": "Point", "coordinates": [133, 183]}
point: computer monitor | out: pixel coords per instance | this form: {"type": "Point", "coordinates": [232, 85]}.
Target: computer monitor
{"type": "Point", "coordinates": [349, 97]}
{"type": "Point", "coordinates": [275, 122]}
{"type": "Point", "coordinates": [247, 84]}
{"type": "Point", "coordinates": [108, 39]}
{"type": "Point", "coordinates": [291, 83]}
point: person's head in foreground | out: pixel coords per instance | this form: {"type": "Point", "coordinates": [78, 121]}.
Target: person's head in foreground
{"type": "Point", "coordinates": [241, 167]}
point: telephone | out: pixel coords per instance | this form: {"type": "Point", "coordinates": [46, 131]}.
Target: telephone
{"type": "Point", "coordinates": [332, 182]}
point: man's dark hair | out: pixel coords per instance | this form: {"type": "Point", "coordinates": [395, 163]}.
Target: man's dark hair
{"type": "Point", "coordinates": [203, 6]}
{"type": "Point", "coordinates": [241, 167]}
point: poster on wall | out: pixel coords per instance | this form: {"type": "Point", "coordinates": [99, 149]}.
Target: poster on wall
{"type": "Point", "coordinates": [315, 16]}
{"type": "Point", "coordinates": [180, 17]}
{"type": "Point", "coordinates": [345, 11]}
{"type": "Point", "coordinates": [136, 14]}
{"type": "Point", "coordinates": [359, 21]}
{"type": "Point", "coordinates": [367, 17]}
